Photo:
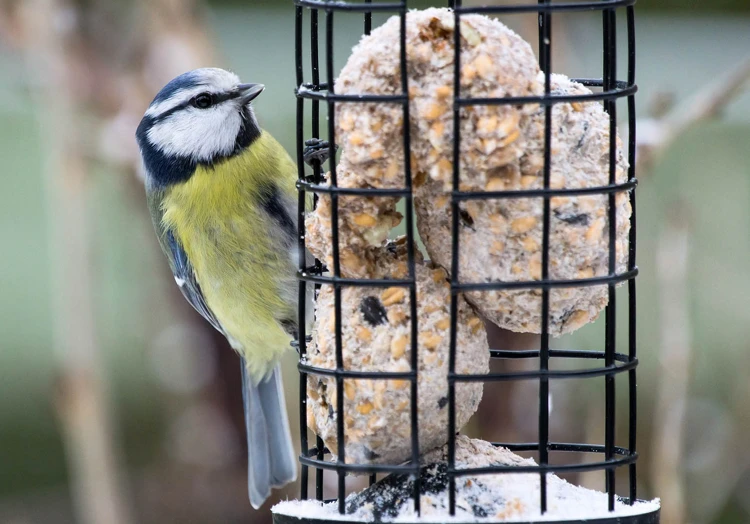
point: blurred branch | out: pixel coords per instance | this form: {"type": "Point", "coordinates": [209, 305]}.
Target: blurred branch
{"type": "Point", "coordinates": [54, 56]}
{"type": "Point", "coordinates": [94, 66]}
{"type": "Point", "coordinates": [676, 355]}
{"type": "Point", "coordinates": [656, 135]}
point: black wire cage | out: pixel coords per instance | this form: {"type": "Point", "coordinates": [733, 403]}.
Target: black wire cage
{"type": "Point", "coordinates": [313, 90]}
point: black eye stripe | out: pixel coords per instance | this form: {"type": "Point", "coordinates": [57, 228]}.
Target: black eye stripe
{"type": "Point", "coordinates": [171, 111]}
{"type": "Point", "coordinates": [223, 97]}
{"type": "Point", "coordinates": [217, 98]}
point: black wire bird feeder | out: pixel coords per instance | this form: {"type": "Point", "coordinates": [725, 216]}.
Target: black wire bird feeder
{"type": "Point", "coordinates": [314, 90]}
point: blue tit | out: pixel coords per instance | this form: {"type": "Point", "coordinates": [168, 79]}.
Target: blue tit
{"type": "Point", "coordinates": [222, 197]}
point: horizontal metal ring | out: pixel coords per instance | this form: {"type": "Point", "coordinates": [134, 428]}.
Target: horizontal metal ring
{"type": "Point", "coordinates": [310, 276]}
{"type": "Point", "coordinates": [566, 447]}
{"type": "Point", "coordinates": [364, 98]}
{"type": "Point", "coordinates": [555, 353]}
{"type": "Point", "coordinates": [588, 82]}
{"type": "Point", "coordinates": [536, 193]}
{"type": "Point", "coordinates": [486, 377]}
{"type": "Point", "coordinates": [545, 373]}
{"type": "Point", "coordinates": [358, 468]}
{"type": "Point", "coordinates": [368, 192]}
{"type": "Point", "coordinates": [545, 284]}
{"type": "Point", "coordinates": [625, 457]}
{"type": "Point", "coordinates": [548, 468]}
{"type": "Point", "coordinates": [339, 5]}
{"type": "Point", "coordinates": [344, 373]}
{"type": "Point", "coordinates": [561, 446]}
{"type": "Point", "coordinates": [472, 195]}
{"type": "Point", "coordinates": [621, 91]}
{"type": "Point", "coordinates": [601, 5]}
{"type": "Point", "coordinates": [534, 446]}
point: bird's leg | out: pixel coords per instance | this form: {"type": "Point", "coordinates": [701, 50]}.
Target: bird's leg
{"type": "Point", "coordinates": [316, 152]}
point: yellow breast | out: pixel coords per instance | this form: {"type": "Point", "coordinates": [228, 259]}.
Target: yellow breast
{"type": "Point", "coordinates": [246, 275]}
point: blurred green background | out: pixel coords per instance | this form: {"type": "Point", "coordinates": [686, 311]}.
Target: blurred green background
{"type": "Point", "coordinates": [173, 395]}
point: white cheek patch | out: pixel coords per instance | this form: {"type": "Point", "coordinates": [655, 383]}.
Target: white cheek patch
{"type": "Point", "coordinates": [199, 134]}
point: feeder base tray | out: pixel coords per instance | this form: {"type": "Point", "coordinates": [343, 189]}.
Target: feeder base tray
{"type": "Point", "coordinates": [649, 517]}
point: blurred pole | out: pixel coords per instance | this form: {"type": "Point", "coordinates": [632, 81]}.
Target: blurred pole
{"type": "Point", "coordinates": [82, 400]}
{"type": "Point", "coordinates": [95, 66]}
{"type": "Point", "coordinates": [502, 414]}
{"type": "Point", "coordinates": [676, 355]}
{"type": "Point", "coordinates": [527, 27]}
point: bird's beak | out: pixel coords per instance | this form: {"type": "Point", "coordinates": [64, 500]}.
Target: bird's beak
{"type": "Point", "coordinates": [248, 92]}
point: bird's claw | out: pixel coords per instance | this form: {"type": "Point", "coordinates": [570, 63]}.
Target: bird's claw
{"type": "Point", "coordinates": [295, 343]}
{"type": "Point", "coordinates": [316, 152]}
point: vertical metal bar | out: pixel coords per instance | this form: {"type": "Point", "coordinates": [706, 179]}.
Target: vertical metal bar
{"type": "Point", "coordinates": [368, 29]}
{"type": "Point", "coordinates": [302, 293]}
{"type": "Point", "coordinates": [336, 269]}
{"type": "Point", "coordinates": [368, 19]}
{"type": "Point", "coordinates": [319, 481]}
{"type": "Point", "coordinates": [298, 54]}
{"type": "Point", "coordinates": [545, 59]}
{"type": "Point", "coordinates": [411, 262]}
{"type": "Point", "coordinates": [455, 232]}
{"type": "Point", "coordinates": [632, 383]}
{"type": "Point", "coordinates": [609, 75]}
{"type": "Point", "coordinates": [315, 66]}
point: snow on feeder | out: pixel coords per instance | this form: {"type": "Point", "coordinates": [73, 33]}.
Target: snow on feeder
{"type": "Point", "coordinates": [520, 189]}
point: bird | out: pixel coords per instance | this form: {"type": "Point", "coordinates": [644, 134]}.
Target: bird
{"type": "Point", "coordinates": [222, 196]}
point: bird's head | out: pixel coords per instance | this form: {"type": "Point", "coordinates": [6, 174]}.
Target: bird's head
{"type": "Point", "coordinates": [200, 117]}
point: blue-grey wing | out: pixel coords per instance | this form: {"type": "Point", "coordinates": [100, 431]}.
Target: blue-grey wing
{"type": "Point", "coordinates": [186, 280]}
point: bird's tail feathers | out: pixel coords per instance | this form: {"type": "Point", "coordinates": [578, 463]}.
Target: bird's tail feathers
{"type": "Point", "coordinates": [272, 462]}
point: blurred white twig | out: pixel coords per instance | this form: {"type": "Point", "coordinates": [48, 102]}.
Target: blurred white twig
{"type": "Point", "coordinates": [92, 78]}
{"type": "Point", "coordinates": [656, 135]}
{"type": "Point", "coordinates": [674, 366]}
{"type": "Point", "coordinates": [45, 36]}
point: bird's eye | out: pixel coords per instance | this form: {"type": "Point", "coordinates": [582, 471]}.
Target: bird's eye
{"type": "Point", "coordinates": [203, 101]}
